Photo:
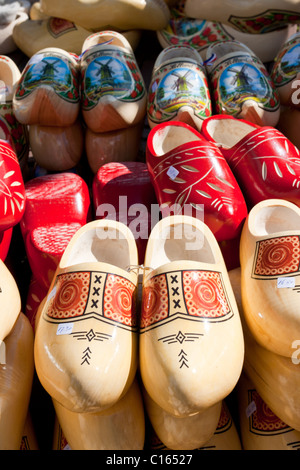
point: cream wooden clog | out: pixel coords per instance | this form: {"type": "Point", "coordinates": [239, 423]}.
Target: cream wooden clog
{"type": "Point", "coordinates": [10, 303]}
{"type": "Point", "coordinates": [16, 375]}
{"type": "Point", "coordinates": [120, 427]}
{"type": "Point", "coordinates": [191, 340]}
{"type": "Point", "coordinates": [113, 94]}
{"type": "Point", "coordinates": [260, 428]}
{"type": "Point", "coordinates": [86, 339]}
{"type": "Point", "coordinates": [121, 14]}
{"type": "Point", "coordinates": [48, 89]}
{"type": "Point", "coordinates": [182, 433]}
{"type": "Point", "coordinates": [269, 255]}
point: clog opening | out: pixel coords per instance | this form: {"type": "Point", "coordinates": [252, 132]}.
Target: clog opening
{"type": "Point", "coordinates": [227, 47]}
{"type": "Point", "coordinates": [101, 245]}
{"type": "Point", "coordinates": [175, 52]}
{"type": "Point", "coordinates": [276, 219]}
{"type": "Point", "coordinates": [8, 80]}
{"type": "Point", "coordinates": [182, 242]}
{"type": "Point", "coordinates": [228, 132]}
{"type": "Point", "coordinates": [169, 137]}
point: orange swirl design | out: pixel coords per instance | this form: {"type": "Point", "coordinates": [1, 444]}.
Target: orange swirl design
{"type": "Point", "coordinates": [263, 419]}
{"type": "Point", "coordinates": [71, 296]}
{"type": "Point", "coordinates": [155, 303]}
{"type": "Point", "coordinates": [278, 256]}
{"type": "Point", "coordinates": [118, 300]}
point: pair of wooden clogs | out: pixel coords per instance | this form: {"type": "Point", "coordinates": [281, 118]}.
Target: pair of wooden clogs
{"type": "Point", "coordinates": [239, 85]}
{"type": "Point", "coordinates": [86, 338]}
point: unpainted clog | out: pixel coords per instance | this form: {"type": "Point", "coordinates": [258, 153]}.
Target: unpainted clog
{"type": "Point", "coordinates": [10, 301]}
{"type": "Point", "coordinates": [269, 255]}
{"type": "Point", "coordinates": [113, 95]}
{"type": "Point", "coordinates": [48, 90]}
{"type": "Point", "coordinates": [240, 84]}
{"type": "Point", "coordinates": [190, 328]}
{"type": "Point", "coordinates": [86, 329]}
{"type": "Point", "coordinates": [178, 89]}
{"type": "Point", "coordinates": [120, 427]}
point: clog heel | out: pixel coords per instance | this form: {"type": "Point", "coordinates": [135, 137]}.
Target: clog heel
{"type": "Point", "coordinates": [86, 338]}
{"type": "Point", "coordinates": [190, 325]}
{"type": "Point", "coordinates": [241, 85]}
{"type": "Point", "coordinates": [269, 254]}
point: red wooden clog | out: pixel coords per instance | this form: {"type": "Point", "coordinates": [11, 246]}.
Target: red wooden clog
{"type": "Point", "coordinates": [190, 175]}
{"type": "Point", "coordinates": [265, 163]}
{"type": "Point", "coordinates": [12, 191]}
{"type": "Point", "coordinates": [56, 207]}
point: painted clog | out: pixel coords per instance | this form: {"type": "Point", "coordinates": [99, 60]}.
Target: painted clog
{"type": "Point", "coordinates": [260, 428]}
{"type": "Point", "coordinates": [120, 14]}
{"type": "Point", "coordinates": [56, 207]}
{"type": "Point", "coordinates": [86, 329]}
{"type": "Point", "coordinates": [285, 72]}
{"type": "Point", "coordinates": [120, 427]}
{"type": "Point", "coordinates": [10, 129]}
{"type": "Point", "coordinates": [190, 175]}
{"type": "Point", "coordinates": [16, 376]}
{"type": "Point", "coordinates": [200, 33]}
{"type": "Point", "coordinates": [12, 190]}
{"type": "Point", "coordinates": [269, 254]}
{"type": "Point", "coordinates": [113, 95]}
{"type": "Point", "coordinates": [182, 433]}
{"type": "Point", "coordinates": [190, 326]}
{"type": "Point", "coordinates": [48, 90]}
{"type": "Point", "coordinates": [124, 192]}
{"type": "Point", "coordinates": [241, 85]}
{"type": "Point", "coordinates": [178, 89]}
{"type": "Point", "coordinates": [264, 162]}
{"type": "Point", "coordinates": [248, 16]}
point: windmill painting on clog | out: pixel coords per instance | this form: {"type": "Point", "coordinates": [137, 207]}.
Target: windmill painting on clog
{"type": "Point", "coordinates": [178, 89]}
{"type": "Point", "coordinates": [286, 72]}
{"type": "Point", "coordinates": [48, 89]}
{"type": "Point", "coordinates": [113, 92]}
{"type": "Point", "coordinates": [241, 85]}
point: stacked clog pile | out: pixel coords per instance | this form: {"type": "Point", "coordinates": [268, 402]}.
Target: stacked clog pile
{"type": "Point", "coordinates": [156, 200]}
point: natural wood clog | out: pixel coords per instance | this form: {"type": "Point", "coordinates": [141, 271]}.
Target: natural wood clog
{"type": "Point", "coordinates": [190, 175]}
{"type": "Point", "coordinates": [269, 254]}
{"type": "Point", "coordinates": [10, 129]}
{"type": "Point", "coordinates": [86, 340]}
{"type": "Point", "coordinates": [200, 33]}
{"type": "Point", "coordinates": [190, 325]}
{"type": "Point", "coordinates": [57, 206]}
{"type": "Point", "coordinates": [264, 161]}
{"type": "Point", "coordinates": [260, 428]}
{"type": "Point", "coordinates": [120, 427]}
{"type": "Point", "coordinates": [121, 14]}
{"type": "Point", "coordinates": [16, 376]}
{"type": "Point", "coordinates": [240, 84]}
{"type": "Point", "coordinates": [57, 148]}
{"type": "Point", "coordinates": [10, 302]}
{"type": "Point", "coordinates": [178, 89]}
{"type": "Point", "coordinates": [285, 72]}
{"type": "Point", "coordinates": [182, 433]}
{"type": "Point", "coordinates": [250, 16]}
{"type": "Point", "coordinates": [113, 94]}
{"type": "Point", "coordinates": [48, 90]}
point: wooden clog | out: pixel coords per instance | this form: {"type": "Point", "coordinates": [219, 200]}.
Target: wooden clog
{"type": "Point", "coordinates": [191, 176]}
{"type": "Point", "coordinates": [10, 303]}
{"type": "Point", "coordinates": [182, 433]}
{"type": "Point", "coordinates": [178, 90]}
{"type": "Point", "coordinates": [115, 146]}
{"type": "Point", "coordinates": [190, 325]}
{"type": "Point", "coordinates": [85, 341]}
{"type": "Point", "coordinates": [56, 207]}
{"type": "Point", "coordinates": [241, 85]}
{"type": "Point", "coordinates": [36, 13]}
{"type": "Point", "coordinates": [269, 254]}
{"type": "Point", "coordinates": [120, 427]}
{"type": "Point", "coordinates": [120, 14]}
{"type": "Point", "coordinates": [285, 72]}
{"type": "Point", "coordinates": [57, 148]}
{"type": "Point", "coordinates": [29, 439]}
{"type": "Point", "coordinates": [113, 95]}
{"type": "Point", "coordinates": [16, 375]}
{"type": "Point", "coordinates": [263, 160]}
{"type": "Point", "coordinates": [200, 33]}
{"type": "Point", "coordinates": [133, 37]}
{"type": "Point", "coordinates": [250, 16]}
{"type": "Point", "coordinates": [48, 90]}
{"type": "Point", "coordinates": [260, 428]}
